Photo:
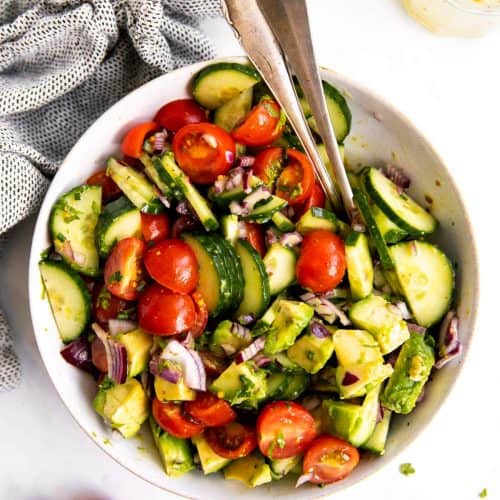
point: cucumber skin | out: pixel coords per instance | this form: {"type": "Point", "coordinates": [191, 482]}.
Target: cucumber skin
{"type": "Point", "coordinates": [240, 280]}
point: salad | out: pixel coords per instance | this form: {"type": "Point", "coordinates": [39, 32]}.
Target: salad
{"type": "Point", "coordinates": [205, 282]}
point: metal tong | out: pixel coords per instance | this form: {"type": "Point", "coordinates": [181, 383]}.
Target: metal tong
{"type": "Point", "coordinates": [277, 38]}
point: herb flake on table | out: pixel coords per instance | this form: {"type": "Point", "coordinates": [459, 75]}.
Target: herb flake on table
{"type": "Point", "coordinates": [407, 469]}
{"type": "Point", "coordinates": [483, 493]}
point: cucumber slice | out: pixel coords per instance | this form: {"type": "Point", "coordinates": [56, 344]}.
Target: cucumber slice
{"type": "Point", "coordinates": [359, 265]}
{"type": "Point", "coordinates": [119, 219]}
{"type": "Point", "coordinates": [426, 277]}
{"type": "Point", "coordinates": [218, 83]}
{"type": "Point", "coordinates": [236, 272]}
{"type": "Point", "coordinates": [256, 296]}
{"type": "Point", "coordinates": [230, 227]}
{"type": "Point", "coordinates": [376, 442]}
{"type": "Point", "coordinates": [391, 232]}
{"type": "Point", "coordinates": [135, 186]}
{"type": "Point", "coordinates": [317, 218]}
{"type": "Point", "coordinates": [72, 224]}
{"type": "Point", "coordinates": [236, 194]}
{"type": "Point", "coordinates": [282, 222]}
{"type": "Point", "coordinates": [279, 262]}
{"type": "Point", "coordinates": [399, 207]}
{"type": "Point", "coordinates": [69, 298]}
{"type": "Point", "coordinates": [152, 173]}
{"type": "Point", "coordinates": [263, 213]}
{"type": "Point", "coordinates": [233, 112]}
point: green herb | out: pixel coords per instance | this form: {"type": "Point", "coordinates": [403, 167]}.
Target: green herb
{"type": "Point", "coordinates": [95, 207]}
{"type": "Point", "coordinates": [107, 441]}
{"type": "Point", "coordinates": [115, 277]}
{"type": "Point", "coordinates": [103, 300]}
{"type": "Point", "coordinates": [280, 440]}
{"type": "Point", "coordinates": [78, 196]}
{"type": "Point", "coordinates": [483, 493]}
{"type": "Point", "coordinates": [407, 469]}
{"type": "Point", "coordinates": [106, 384]}
{"type": "Point", "coordinates": [310, 355]}
{"type": "Point", "coordinates": [271, 448]}
{"type": "Point", "coordinates": [60, 237]}
{"type": "Point", "coordinates": [126, 313]}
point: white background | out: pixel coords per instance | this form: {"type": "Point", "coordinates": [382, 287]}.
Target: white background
{"type": "Point", "coordinates": [450, 88]}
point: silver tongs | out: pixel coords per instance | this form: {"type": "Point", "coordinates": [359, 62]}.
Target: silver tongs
{"type": "Point", "coordinates": [277, 39]}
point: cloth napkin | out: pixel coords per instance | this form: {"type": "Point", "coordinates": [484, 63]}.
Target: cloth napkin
{"type": "Point", "coordinates": [62, 63]}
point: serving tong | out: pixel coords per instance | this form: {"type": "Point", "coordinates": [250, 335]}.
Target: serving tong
{"type": "Point", "coordinates": [277, 38]}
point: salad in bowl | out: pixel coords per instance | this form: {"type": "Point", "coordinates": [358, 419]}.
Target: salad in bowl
{"type": "Point", "coordinates": [204, 282]}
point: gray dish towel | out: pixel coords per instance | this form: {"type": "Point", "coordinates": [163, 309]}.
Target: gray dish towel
{"type": "Point", "coordinates": [62, 63]}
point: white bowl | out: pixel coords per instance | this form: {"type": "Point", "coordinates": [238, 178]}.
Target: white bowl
{"type": "Point", "coordinates": [379, 134]}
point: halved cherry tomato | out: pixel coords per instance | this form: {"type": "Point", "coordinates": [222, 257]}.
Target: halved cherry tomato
{"type": "Point", "coordinates": [106, 306]}
{"type": "Point", "coordinates": [232, 440]}
{"type": "Point", "coordinates": [329, 459]}
{"type": "Point", "coordinates": [172, 419]}
{"type": "Point", "coordinates": [296, 180]}
{"type": "Point", "coordinates": [173, 264]}
{"type": "Point", "coordinates": [175, 114]}
{"type": "Point", "coordinates": [163, 312]}
{"type": "Point", "coordinates": [211, 411]}
{"type": "Point", "coordinates": [255, 237]}
{"type": "Point", "coordinates": [185, 223]}
{"type": "Point", "coordinates": [134, 140]}
{"type": "Point", "coordinates": [110, 190]}
{"type": "Point", "coordinates": [99, 357]}
{"type": "Point", "coordinates": [123, 269]}
{"type": "Point", "coordinates": [203, 151]}
{"type": "Point", "coordinates": [154, 227]}
{"type": "Point", "coordinates": [316, 199]}
{"type": "Point", "coordinates": [262, 126]}
{"type": "Point", "coordinates": [284, 429]}
{"type": "Point", "coordinates": [268, 165]}
{"type": "Point", "coordinates": [321, 265]}
{"type": "Point", "coordinates": [201, 315]}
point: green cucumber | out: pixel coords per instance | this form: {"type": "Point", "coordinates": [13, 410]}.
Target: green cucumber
{"type": "Point", "coordinates": [151, 171]}
{"type": "Point", "coordinates": [233, 112]}
{"type": "Point", "coordinates": [359, 265]}
{"type": "Point", "coordinates": [282, 222]}
{"type": "Point", "coordinates": [230, 227]}
{"type": "Point", "coordinates": [263, 212]}
{"type": "Point", "coordinates": [376, 442]}
{"type": "Point", "coordinates": [317, 218]}
{"type": "Point", "coordinates": [224, 198]}
{"type": "Point", "coordinates": [236, 272]}
{"type": "Point", "coordinates": [280, 262]}
{"type": "Point", "coordinates": [391, 232]}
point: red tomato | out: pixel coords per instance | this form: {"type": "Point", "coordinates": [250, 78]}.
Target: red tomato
{"type": "Point", "coordinates": [210, 410]}
{"type": "Point", "coordinates": [296, 181]}
{"type": "Point", "coordinates": [175, 114]}
{"type": "Point", "coordinates": [163, 312]}
{"type": "Point", "coordinates": [123, 269]}
{"type": "Point", "coordinates": [134, 140]}
{"type": "Point", "coordinates": [321, 264]}
{"type": "Point", "coordinates": [110, 190]}
{"type": "Point", "coordinates": [201, 315]}
{"type": "Point", "coordinates": [255, 237]}
{"type": "Point", "coordinates": [99, 357]}
{"type": "Point", "coordinates": [262, 126]}
{"type": "Point", "coordinates": [284, 429]}
{"type": "Point", "coordinates": [172, 419]}
{"type": "Point", "coordinates": [316, 199]}
{"type": "Point", "coordinates": [173, 264]}
{"type": "Point", "coordinates": [268, 165]}
{"type": "Point", "coordinates": [203, 151]}
{"type": "Point", "coordinates": [154, 227]}
{"type": "Point", "coordinates": [329, 459]}
{"type": "Point", "coordinates": [106, 306]}
{"type": "Point", "coordinates": [232, 440]}
{"type": "Point", "coordinates": [185, 223]}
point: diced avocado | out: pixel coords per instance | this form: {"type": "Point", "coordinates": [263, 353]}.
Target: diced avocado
{"type": "Point", "coordinates": [123, 406]}
{"type": "Point", "coordinates": [175, 453]}
{"type": "Point", "coordinates": [210, 461]}
{"type": "Point", "coordinates": [375, 315]}
{"type": "Point", "coordinates": [356, 347]}
{"type": "Point", "coordinates": [287, 384]}
{"type": "Point", "coordinates": [251, 470]}
{"type": "Point", "coordinates": [353, 422]}
{"type": "Point", "coordinates": [280, 467]}
{"type": "Point", "coordinates": [168, 391]}
{"type": "Point", "coordinates": [311, 352]}
{"type": "Point", "coordinates": [138, 345]}
{"type": "Point", "coordinates": [326, 380]}
{"type": "Point", "coordinates": [241, 384]}
{"type": "Point", "coordinates": [353, 380]}
{"type": "Point", "coordinates": [376, 442]}
{"type": "Point", "coordinates": [226, 342]}
{"type": "Point", "coordinates": [282, 323]}
{"type": "Point", "coordinates": [411, 372]}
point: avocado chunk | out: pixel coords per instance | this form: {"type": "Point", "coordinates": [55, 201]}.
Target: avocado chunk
{"type": "Point", "coordinates": [175, 453]}
{"type": "Point", "coordinates": [282, 323]}
{"type": "Point", "coordinates": [376, 315]}
{"type": "Point", "coordinates": [353, 422]}
{"type": "Point", "coordinates": [280, 467]}
{"type": "Point", "coordinates": [210, 461]}
{"type": "Point", "coordinates": [311, 352]}
{"type": "Point", "coordinates": [123, 406]}
{"type": "Point", "coordinates": [241, 384]}
{"type": "Point", "coordinates": [356, 347]}
{"type": "Point", "coordinates": [353, 380]}
{"type": "Point", "coordinates": [168, 391]}
{"type": "Point", "coordinates": [138, 345]}
{"type": "Point", "coordinates": [376, 442]}
{"type": "Point", "coordinates": [226, 340]}
{"type": "Point", "coordinates": [411, 372]}
{"type": "Point", "coordinates": [287, 384]}
{"type": "Point", "coordinates": [251, 470]}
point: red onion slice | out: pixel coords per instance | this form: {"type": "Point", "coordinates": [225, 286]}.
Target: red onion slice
{"type": "Point", "coordinates": [168, 374]}
{"type": "Point", "coordinates": [271, 237]}
{"type": "Point", "coordinates": [291, 239]}
{"type": "Point", "coordinates": [261, 360]}
{"type": "Point", "coordinates": [67, 250]}
{"type": "Point", "coordinates": [414, 328]}
{"type": "Point", "coordinates": [349, 379]}
{"type": "Point", "coordinates": [78, 354]}
{"type": "Point", "coordinates": [397, 175]}
{"type": "Point", "coordinates": [304, 478]}
{"type": "Point", "coordinates": [164, 200]}
{"type": "Point", "coordinates": [118, 326]}
{"type": "Point", "coordinates": [241, 332]}
{"type": "Point", "coordinates": [319, 330]}
{"type": "Point", "coordinates": [246, 319]}
{"type": "Point", "coordinates": [246, 161]}
{"type": "Point", "coordinates": [249, 352]}
{"type": "Point", "coordinates": [116, 355]}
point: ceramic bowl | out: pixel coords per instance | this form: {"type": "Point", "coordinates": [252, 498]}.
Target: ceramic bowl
{"type": "Point", "coordinates": [379, 134]}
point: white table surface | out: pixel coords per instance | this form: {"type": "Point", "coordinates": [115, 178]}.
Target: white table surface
{"type": "Point", "coordinates": [451, 89]}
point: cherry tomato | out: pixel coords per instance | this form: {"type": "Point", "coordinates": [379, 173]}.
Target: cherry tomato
{"type": "Point", "coordinates": [163, 312]}
{"type": "Point", "coordinates": [185, 223]}
{"type": "Point", "coordinates": [255, 237]}
{"type": "Point", "coordinates": [99, 358]}
{"type": "Point", "coordinates": [134, 140]}
{"type": "Point", "coordinates": [123, 269]}
{"type": "Point", "coordinates": [232, 440]}
{"type": "Point", "coordinates": [262, 126]}
{"type": "Point", "coordinates": [284, 429]}
{"type": "Point", "coordinates": [172, 419]}
{"type": "Point", "coordinates": [110, 191]}
{"type": "Point", "coordinates": [268, 165]}
{"type": "Point", "coordinates": [154, 227]}
{"type": "Point", "coordinates": [329, 459]}
{"type": "Point", "coordinates": [203, 151]}
{"type": "Point", "coordinates": [175, 114]}
{"type": "Point", "coordinates": [211, 411]}
{"type": "Point", "coordinates": [316, 199]}
{"type": "Point", "coordinates": [201, 314]}
{"type": "Point", "coordinates": [106, 306]}
{"type": "Point", "coordinates": [321, 264]}
{"type": "Point", "coordinates": [296, 180]}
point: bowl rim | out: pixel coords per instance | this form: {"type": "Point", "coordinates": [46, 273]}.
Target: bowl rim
{"type": "Point", "coordinates": [359, 87]}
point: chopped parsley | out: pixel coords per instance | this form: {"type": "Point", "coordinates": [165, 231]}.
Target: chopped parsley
{"type": "Point", "coordinates": [126, 313]}
{"type": "Point", "coordinates": [310, 355]}
{"type": "Point", "coordinates": [115, 277]}
{"type": "Point", "coordinates": [103, 300]}
{"type": "Point", "coordinates": [407, 469]}
{"type": "Point", "coordinates": [60, 237]}
{"type": "Point", "coordinates": [483, 493]}
{"type": "Point", "coordinates": [280, 440]}
{"type": "Point", "coordinates": [78, 196]}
